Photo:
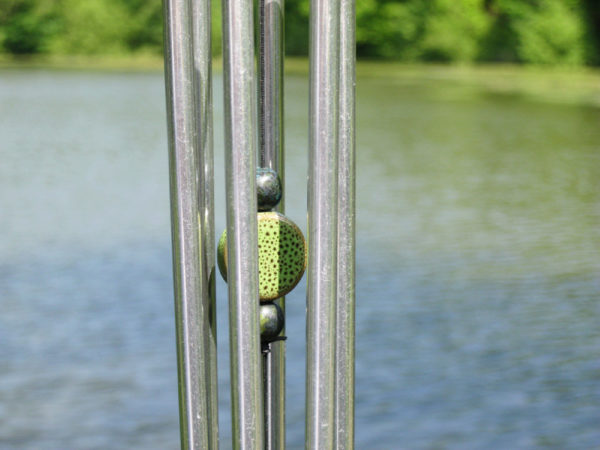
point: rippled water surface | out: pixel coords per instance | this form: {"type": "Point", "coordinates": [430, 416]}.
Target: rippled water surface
{"type": "Point", "coordinates": [478, 266]}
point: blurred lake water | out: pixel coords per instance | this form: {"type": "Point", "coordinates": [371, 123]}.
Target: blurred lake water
{"type": "Point", "coordinates": [478, 266]}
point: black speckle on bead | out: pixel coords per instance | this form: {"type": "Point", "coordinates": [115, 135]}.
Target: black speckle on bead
{"type": "Point", "coordinates": [268, 189]}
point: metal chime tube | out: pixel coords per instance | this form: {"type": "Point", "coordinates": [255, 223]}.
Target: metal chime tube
{"type": "Point", "coordinates": [345, 318]}
{"type": "Point", "coordinates": [270, 78]}
{"type": "Point", "coordinates": [322, 223]}
{"type": "Point", "coordinates": [201, 18]}
{"type": "Point", "coordinates": [190, 161]}
{"type": "Point", "coordinates": [271, 155]}
{"type": "Point", "coordinates": [331, 193]}
{"type": "Point", "coordinates": [242, 228]}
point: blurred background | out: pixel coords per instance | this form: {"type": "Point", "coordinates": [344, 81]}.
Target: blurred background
{"type": "Point", "coordinates": [518, 31]}
{"type": "Point", "coordinates": [478, 225]}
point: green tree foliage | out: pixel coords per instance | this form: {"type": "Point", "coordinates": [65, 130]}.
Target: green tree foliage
{"type": "Point", "coordinates": [526, 31]}
{"type": "Point", "coordinates": [429, 30]}
{"type": "Point", "coordinates": [91, 27]}
{"type": "Point", "coordinates": [26, 25]}
{"type": "Point", "coordinates": [522, 31]}
{"type": "Point", "coordinates": [145, 24]}
{"type": "Point", "coordinates": [541, 32]}
{"type": "Point", "coordinates": [593, 45]}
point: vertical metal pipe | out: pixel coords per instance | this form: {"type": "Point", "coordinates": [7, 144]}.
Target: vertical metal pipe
{"type": "Point", "coordinates": [274, 392]}
{"type": "Point", "coordinates": [270, 79]}
{"type": "Point", "coordinates": [345, 329]}
{"type": "Point", "coordinates": [201, 20]}
{"type": "Point", "coordinates": [242, 228]}
{"type": "Point", "coordinates": [271, 155]}
{"type": "Point", "coordinates": [274, 374]}
{"type": "Point", "coordinates": [192, 247]}
{"type": "Point", "coordinates": [322, 223]}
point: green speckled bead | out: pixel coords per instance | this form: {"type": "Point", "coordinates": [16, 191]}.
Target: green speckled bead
{"type": "Point", "coordinates": [281, 255]}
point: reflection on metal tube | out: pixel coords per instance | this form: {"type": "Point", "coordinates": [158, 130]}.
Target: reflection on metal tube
{"type": "Point", "coordinates": [270, 78]}
{"type": "Point", "coordinates": [201, 19]}
{"type": "Point", "coordinates": [271, 155]}
{"type": "Point", "coordinates": [191, 228]}
{"type": "Point", "coordinates": [322, 223]}
{"type": "Point", "coordinates": [242, 228]}
{"type": "Point", "coordinates": [344, 387]}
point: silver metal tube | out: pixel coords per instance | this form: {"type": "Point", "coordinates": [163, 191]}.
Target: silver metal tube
{"type": "Point", "coordinates": [201, 20]}
{"type": "Point", "coordinates": [271, 155]}
{"type": "Point", "coordinates": [242, 228]}
{"type": "Point", "coordinates": [275, 394]}
{"type": "Point", "coordinates": [270, 78]}
{"type": "Point", "coordinates": [322, 223]}
{"type": "Point", "coordinates": [345, 319]}
{"type": "Point", "coordinates": [192, 246]}
{"type": "Point", "coordinates": [274, 385]}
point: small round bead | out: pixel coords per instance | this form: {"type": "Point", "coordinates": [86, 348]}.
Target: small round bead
{"type": "Point", "coordinates": [268, 188]}
{"type": "Point", "coordinates": [271, 321]}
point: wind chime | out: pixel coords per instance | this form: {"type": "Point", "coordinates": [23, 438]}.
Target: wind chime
{"type": "Point", "coordinates": [262, 254]}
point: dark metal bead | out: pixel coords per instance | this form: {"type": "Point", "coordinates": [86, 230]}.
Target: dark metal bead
{"type": "Point", "coordinates": [271, 321]}
{"type": "Point", "coordinates": [268, 188]}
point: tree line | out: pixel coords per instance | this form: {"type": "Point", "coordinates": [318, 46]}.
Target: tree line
{"type": "Point", "coordinates": [565, 32]}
